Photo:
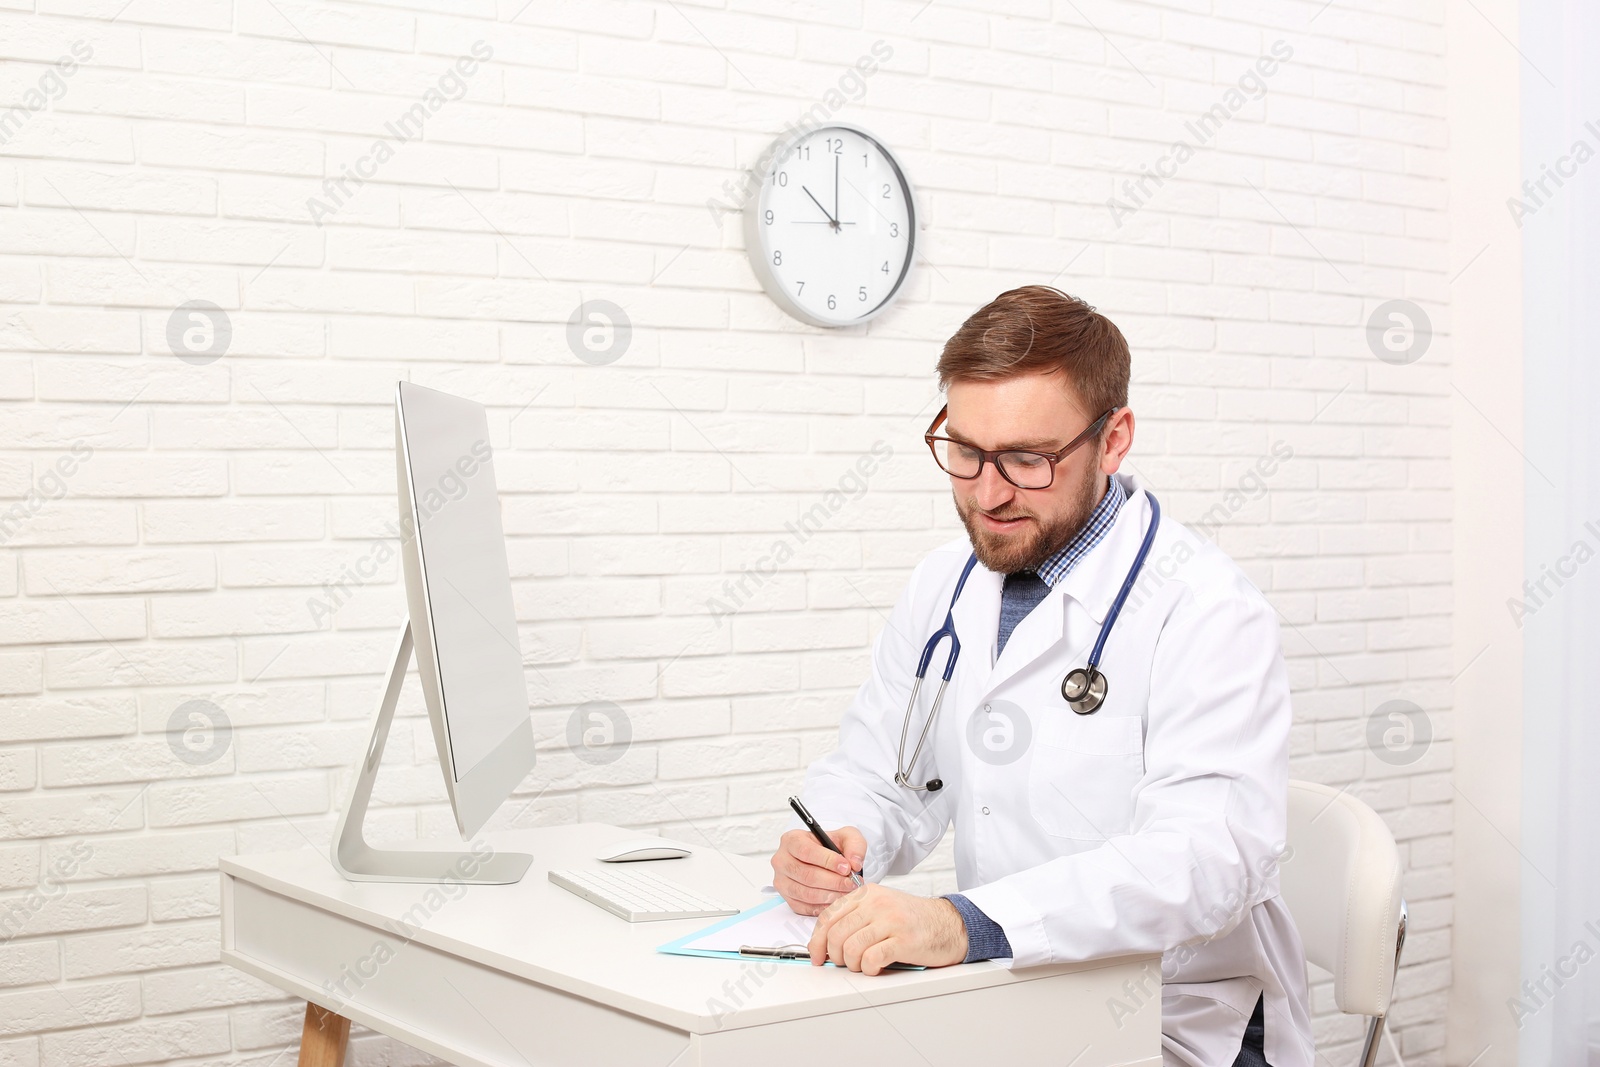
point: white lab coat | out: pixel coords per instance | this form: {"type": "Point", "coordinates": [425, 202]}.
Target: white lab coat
{"type": "Point", "coordinates": [1152, 825]}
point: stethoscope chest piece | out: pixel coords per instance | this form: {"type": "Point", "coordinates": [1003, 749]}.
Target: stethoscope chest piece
{"type": "Point", "coordinates": [1084, 690]}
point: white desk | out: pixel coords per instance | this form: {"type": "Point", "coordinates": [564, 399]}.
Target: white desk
{"type": "Point", "coordinates": [530, 975]}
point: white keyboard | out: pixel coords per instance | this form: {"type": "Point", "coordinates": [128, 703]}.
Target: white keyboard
{"type": "Point", "coordinates": [639, 897]}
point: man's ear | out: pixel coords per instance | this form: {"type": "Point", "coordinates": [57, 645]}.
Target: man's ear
{"type": "Point", "coordinates": [1118, 440]}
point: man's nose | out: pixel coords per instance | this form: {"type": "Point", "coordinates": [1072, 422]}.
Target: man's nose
{"type": "Point", "coordinates": [993, 491]}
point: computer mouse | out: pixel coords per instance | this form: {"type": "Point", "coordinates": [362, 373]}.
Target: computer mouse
{"type": "Point", "coordinates": [644, 848]}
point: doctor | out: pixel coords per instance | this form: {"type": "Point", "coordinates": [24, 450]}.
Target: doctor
{"type": "Point", "coordinates": [1150, 819]}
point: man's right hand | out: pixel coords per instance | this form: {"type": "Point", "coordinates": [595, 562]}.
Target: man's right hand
{"type": "Point", "coordinates": [809, 876]}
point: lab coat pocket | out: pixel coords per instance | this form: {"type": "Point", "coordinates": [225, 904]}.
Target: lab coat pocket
{"type": "Point", "coordinates": [1083, 775]}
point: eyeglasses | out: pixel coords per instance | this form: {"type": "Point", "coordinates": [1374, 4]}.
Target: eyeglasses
{"type": "Point", "coordinates": [1023, 468]}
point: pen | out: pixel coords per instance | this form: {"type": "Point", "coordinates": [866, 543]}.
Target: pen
{"type": "Point", "coordinates": [818, 832]}
{"type": "Point", "coordinates": [790, 952]}
{"type": "Point", "coordinates": [782, 952]}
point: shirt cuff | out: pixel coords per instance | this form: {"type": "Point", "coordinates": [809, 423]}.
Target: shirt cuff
{"type": "Point", "coordinates": [985, 939]}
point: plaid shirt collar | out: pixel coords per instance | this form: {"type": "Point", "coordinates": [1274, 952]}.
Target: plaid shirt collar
{"type": "Point", "coordinates": [1094, 531]}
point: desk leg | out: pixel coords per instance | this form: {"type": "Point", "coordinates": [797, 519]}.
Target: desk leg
{"type": "Point", "coordinates": [324, 1037]}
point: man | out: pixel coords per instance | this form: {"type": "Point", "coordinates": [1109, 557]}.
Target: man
{"type": "Point", "coordinates": [1151, 823]}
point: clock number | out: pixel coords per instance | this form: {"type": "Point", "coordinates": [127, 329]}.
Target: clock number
{"type": "Point", "coordinates": [864, 161]}
{"type": "Point", "coordinates": [836, 145]}
{"type": "Point", "coordinates": [803, 152]}
{"type": "Point", "coordinates": [894, 229]}
{"type": "Point", "coordinates": [885, 267]}
{"type": "Point", "coordinates": [886, 191]}
{"type": "Point", "coordinates": [832, 303]}
{"type": "Point", "coordinates": [769, 217]}
{"type": "Point", "coordinates": [800, 287]}
{"type": "Point", "coordinates": [781, 178]}
{"type": "Point", "coordinates": [862, 293]}
{"type": "Point", "coordinates": [777, 257]}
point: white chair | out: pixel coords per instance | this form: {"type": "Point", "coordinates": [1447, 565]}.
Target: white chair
{"type": "Point", "coordinates": [1341, 881]}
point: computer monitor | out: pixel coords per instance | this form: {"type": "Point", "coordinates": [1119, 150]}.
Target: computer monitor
{"type": "Point", "coordinates": [463, 627]}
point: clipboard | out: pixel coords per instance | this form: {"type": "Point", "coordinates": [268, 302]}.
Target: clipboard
{"type": "Point", "coordinates": [769, 924]}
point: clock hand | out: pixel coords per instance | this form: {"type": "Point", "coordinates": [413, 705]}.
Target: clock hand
{"type": "Point", "coordinates": [831, 220]}
{"type": "Point", "coordinates": [836, 191]}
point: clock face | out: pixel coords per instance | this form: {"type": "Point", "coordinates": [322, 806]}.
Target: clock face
{"type": "Point", "coordinates": [832, 232]}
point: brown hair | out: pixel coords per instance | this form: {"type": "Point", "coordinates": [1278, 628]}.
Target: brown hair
{"type": "Point", "coordinates": [1038, 329]}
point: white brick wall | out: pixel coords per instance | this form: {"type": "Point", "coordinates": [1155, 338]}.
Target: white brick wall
{"type": "Point", "coordinates": [208, 505]}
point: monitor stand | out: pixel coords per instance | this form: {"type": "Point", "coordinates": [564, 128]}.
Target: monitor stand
{"type": "Point", "coordinates": [360, 862]}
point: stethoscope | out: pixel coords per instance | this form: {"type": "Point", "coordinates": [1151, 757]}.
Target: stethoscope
{"type": "Point", "coordinates": [1083, 688]}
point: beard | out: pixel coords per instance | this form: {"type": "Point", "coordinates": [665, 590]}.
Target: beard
{"type": "Point", "coordinates": [1026, 548]}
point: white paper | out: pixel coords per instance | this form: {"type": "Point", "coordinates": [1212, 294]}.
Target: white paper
{"type": "Point", "coordinates": [777, 925]}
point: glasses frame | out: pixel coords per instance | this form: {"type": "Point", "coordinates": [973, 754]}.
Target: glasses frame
{"type": "Point", "coordinates": [993, 455]}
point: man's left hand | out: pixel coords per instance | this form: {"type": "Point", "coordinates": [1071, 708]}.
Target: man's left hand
{"type": "Point", "coordinates": [874, 926]}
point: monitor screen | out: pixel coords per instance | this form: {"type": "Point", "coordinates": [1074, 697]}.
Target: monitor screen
{"type": "Point", "coordinates": [471, 625]}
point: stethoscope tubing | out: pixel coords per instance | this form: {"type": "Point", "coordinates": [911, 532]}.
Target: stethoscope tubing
{"type": "Point", "coordinates": [1127, 583]}
{"type": "Point", "coordinates": [901, 774]}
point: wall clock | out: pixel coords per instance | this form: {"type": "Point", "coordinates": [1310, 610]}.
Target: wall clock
{"type": "Point", "coordinates": [832, 231]}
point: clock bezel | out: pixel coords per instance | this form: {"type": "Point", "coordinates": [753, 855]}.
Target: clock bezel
{"type": "Point", "coordinates": [755, 245]}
